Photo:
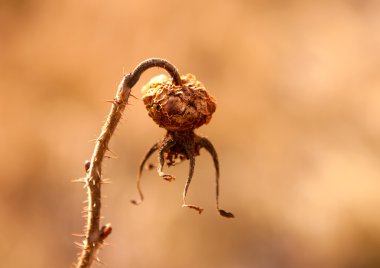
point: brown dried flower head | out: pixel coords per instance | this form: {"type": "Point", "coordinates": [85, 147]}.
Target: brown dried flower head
{"type": "Point", "coordinates": [178, 108]}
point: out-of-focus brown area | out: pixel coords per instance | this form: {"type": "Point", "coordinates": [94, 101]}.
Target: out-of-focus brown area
{"type": "Point", "coordinates": [297, 129]}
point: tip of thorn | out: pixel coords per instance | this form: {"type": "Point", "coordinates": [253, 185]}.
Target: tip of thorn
{"type": "Point", "coordinates": [226, 214]}
{"type": "Point", "coordinates": [200, 210]}
{"type": "Point", "coordinates": [134, 202]}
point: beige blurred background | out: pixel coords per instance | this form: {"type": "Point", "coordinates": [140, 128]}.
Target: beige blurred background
{"type": "Point", "coordinates": [297, 129]}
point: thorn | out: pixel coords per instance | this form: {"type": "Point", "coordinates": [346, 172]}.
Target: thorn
{"type": "Point", "coordinates": [133, 96]}
{"type": "Point", "coordinates": [99, 261]}
{"type": "Point", "coordinates": [114, 101]}
{"type": "Point", "coordinates": [99, 174]}
{"type": "Point", "coordinates": [111, 157]}
{"type": "Point", "coordinates": [80, 245]}
{"type": "Point", "coordinates": [79, 235]}
{"type": "Point", "coordinates": [109, 150]}
{"type": "Point", "coordinates": [80, 180]}
{"type": "Point", "coordinates": [84, 213]}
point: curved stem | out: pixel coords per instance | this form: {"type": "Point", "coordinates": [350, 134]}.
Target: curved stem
{"type": "Point", "coordinates": [94, 234]}
{"type": "Point", "coordinates": [154, 62]}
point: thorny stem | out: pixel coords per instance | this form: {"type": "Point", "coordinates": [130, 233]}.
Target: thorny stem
{"type": "Point", "coordinates": [94, 234]}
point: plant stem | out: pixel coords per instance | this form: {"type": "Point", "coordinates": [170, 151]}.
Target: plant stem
{"type": "Point", "coordinates": [93, 181]}
{"type": "Point", "coordinates": [154, 62]}
{"type": "Point", "coordinates": [94, 234]}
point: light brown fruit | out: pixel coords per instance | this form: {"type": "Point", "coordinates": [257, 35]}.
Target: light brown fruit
{"type": "Point", "coordinates": [178, 107]}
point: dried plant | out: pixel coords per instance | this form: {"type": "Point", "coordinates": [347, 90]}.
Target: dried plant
{"type": "Point", "coordinates": [179, 105]}
{"type": "Point", "coordinates": [180, 109]}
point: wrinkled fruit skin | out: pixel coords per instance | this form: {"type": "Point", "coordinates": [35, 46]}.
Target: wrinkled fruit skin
{"type": "Point", "coordinates": [178, 108]}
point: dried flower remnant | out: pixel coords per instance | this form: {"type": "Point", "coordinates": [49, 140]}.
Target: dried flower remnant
{"type": "Point", "coordinates": [185, 96]}
{"type": "Point", "coordinates": [180, 108]}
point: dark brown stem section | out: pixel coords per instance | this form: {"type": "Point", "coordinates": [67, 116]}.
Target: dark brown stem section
{"type": "Point", "coordinates": [154, 62]}
{"type": "Point", "coordinates": [94, 234]}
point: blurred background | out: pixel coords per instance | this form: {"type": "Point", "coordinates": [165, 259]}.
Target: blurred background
{"type": "Point", "coordinates": [297, 129]}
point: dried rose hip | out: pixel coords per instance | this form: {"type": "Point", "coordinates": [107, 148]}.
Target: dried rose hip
{"type": "Point", "coordinates": [180, 108]}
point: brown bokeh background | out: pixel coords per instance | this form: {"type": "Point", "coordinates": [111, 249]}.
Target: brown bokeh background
{"type": "Point", "coordinates": [297, 130]}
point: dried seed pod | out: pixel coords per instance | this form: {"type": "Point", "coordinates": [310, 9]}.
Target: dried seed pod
{"type": "Point", "coordinates": [178, 108]}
